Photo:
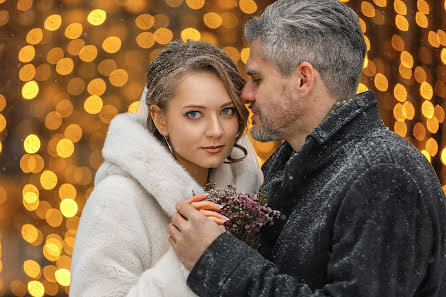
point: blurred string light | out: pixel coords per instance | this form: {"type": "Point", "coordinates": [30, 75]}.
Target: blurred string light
{"type": "Point", "coordinates": [83, 62]}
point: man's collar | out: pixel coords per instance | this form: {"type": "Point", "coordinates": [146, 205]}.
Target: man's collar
{"type": "Point", "coordinates": [340, 117]}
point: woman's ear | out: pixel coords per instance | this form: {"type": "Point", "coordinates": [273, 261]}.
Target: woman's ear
{"type": "Point", "coordinates": [159, 119]}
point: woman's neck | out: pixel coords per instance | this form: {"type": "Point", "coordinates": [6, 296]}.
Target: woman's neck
{"type": "Point", "coordinates": [199, 173]}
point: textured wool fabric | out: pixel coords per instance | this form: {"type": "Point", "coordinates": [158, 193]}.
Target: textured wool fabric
{"type": "Point", "coordinates": [363, 215]}
{"type": "Point", "coordinates": [122, 246]}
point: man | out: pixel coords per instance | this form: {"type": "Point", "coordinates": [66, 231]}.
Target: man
{"type": "Point", "coordinates": [363, 211]}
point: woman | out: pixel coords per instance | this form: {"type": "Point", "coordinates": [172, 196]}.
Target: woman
{"type": "Point", "coordinates": [188, 138]}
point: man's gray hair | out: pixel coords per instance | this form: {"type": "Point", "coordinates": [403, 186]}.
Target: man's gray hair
{"type": "Point", "coordinates": [325, 33]}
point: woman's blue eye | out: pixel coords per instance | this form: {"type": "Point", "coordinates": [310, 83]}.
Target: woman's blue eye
{"type": "Point", "coordinates": [193, 114]}
{"type": "Point", "coordinates": [228, 111]}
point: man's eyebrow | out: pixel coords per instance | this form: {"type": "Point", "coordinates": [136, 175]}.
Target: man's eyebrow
{"type": "Point", "coordinates": [251, 72]}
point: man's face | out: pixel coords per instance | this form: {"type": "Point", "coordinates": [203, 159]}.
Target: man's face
{"type": "Point", "coordinates": [271, 97]}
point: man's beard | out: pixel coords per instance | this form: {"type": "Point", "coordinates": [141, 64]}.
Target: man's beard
{"type": "Point", "coordinates": [265, 130]}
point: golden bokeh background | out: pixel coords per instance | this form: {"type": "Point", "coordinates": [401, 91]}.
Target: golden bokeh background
{"type": "Point", "coordinates": [69, 66]}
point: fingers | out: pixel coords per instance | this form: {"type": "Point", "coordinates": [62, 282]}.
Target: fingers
{"type": "Point", "coordinates": [217, 220]}
{"type": "Point", "coordinates": [173, 230]}
{"type": "Point", "coordinates": [197, 198]}
{"type": "Point", "coordinates": [205, 205]}
{"type": "Point", "coordinates": [178, 221]}
{"type": "Point", "coordinates": [210, 214]}
{"type": "Point", "coordinates": [187, 211]}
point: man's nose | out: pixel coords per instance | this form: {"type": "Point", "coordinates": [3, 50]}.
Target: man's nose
{"type": "Point", "coordinates": [248, 95]}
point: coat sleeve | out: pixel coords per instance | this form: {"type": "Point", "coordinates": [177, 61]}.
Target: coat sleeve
{"type": "Point", "coordinates": [110, 245]}
{"type": "Point", "coordinates": [381, 244]}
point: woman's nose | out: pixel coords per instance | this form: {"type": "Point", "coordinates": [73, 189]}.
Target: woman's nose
{"type": "Point", "coordinates": [214, 128]}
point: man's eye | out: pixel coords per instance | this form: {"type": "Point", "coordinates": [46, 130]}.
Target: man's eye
{"type": "Point", "coordinates": [228, 111]}
{"type": "Point", "coordinates": [256, 80]}
{"type": "Point", "coordinates": [193, 114]}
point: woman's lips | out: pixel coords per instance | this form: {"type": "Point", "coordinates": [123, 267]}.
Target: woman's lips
{"type": "Point", "coordinates": [213, 149]}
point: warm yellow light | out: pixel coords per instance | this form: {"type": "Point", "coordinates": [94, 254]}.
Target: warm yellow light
{"type": "Point", "coordinates": [30, 197]}
{"type": "Point", "coordinates": [2, 102]}
{"type": "Point", "coordinates": [36, 289]}
{"type": "Point", "coordinates": [54, 55]}
{"type": "Point", "coordinates": [145, 21]}
{"type": "Point", "coordinates": [73, 132]}
{"type": "Point", "coordinates": [233, 53]}
{"type": "Point", "coordinates": [75, 46]}
{"type": "Point", "coordinates": [49, 273]}
{"type": "Point", "coordinates": [361, 88]}
{"type": "Point", "coordinates": [76, 86]}
{"type": "Point", "coordinates": [30, 90]}
{"type": "Point", "coordinates": [118, 77]}
{"type": "Point", "coordinates": [106, 66]}
{"type": "Point", "coordinates": [65, 66]}
{"type": "Point", "coordinates": [43, 72]}
{"type": "Point", "coordinates": [368, 9]}
{"type": "Point", "coordinates": [419, 131]}
{"type": "Point", "coordinates": [405, 72]}
{"type": "Point", "coordinates": [111, 44]}
{"type": "Point", "coordinates": [421, 20]}
{"type": "Point", "coordinates": [30, 188]}
{"type": "Point", "coordinates": [67, 191]}
{"type": "Point", "coordinates": [426, 90]}
{"type": "Point", "coordinates": [51, 251]}
{"type": "Point", "coordinates": [29, 233]}
{"type": "Point", "coordinates": [68, 207]}
{"type": "Point", "coordinates": [133, 106]}
{"type": "Point", "coordinates": [88, 53]}
{"type": "Point", "coordinates": [65, 148]}
{"type": "Point", "coordinates": [190, 33]}
{"type": "Point", "coordinates": [73, 30]}
{"type": "Point", "coordinates": [63, 277]}
{"type": "Point", "coordinates": [27, 72]}
{"type": "Point", "coordinates": [53, 120]}
{"type": "Point", "coordinates": [401, 23]}
{"type": "Point", "coordinates": [27, 53]}
{"type": "Point", "coordinates": [31, 144]}
{"type": "Point", "coordinates": [93, 104]}
{"type": "Point", "coordinates": [433, 125]}
{"type": "Point", "coordinates": [195, 4]}
{"type": "Point", "coordinates": [380, 3]}
{"type": "Point", "coordinates": [96, 87]}
{"type": "Point", "coordinates": [400, 7]}
{"type": "Point", "coordinates": [244, 54]}
{"type": "Point", "coordinates": [48, 180]}
{"type": "Point", "coordinates": [420, 74]}
{"type": "Point", "coordinates": [54, 218]}
{"type": "Point", "coordinates": [398, 43]}
{"type": "Point", "coordinates": [427, 108]}
{"type": "Point", "coordinates": [432, 147]}
{"type": "Point", "coordinates": [34, 36]}
{"type": "Point", "coordinates": [2, 122]}
{"type": "Point", "coordinates": [408, 110]}
{"type": "Point", "coordinates": [423, 6]}
{"type": "Point", "coordinates": [53, 22]}
{"type": "Point", "coordinates": [427, 155]}
{"type": "Point", "coordinates": [381, 82]}
{"type": "Point", "coordinates": [174, 3]}
{"type": "Point", "coordinates": [400, 92]}
{"type": "Point", "coordinates": [439, 113]}
{"type": "Point", "coordinates": [366, 62]}
{"type": "Point", "coordinates": [212, 20]}
{"type": "Point", "coordinates": [97, 17]}
{"type": "Point", "coordinates": [4, 17]}
{"type": "Point", "coordinates": [107, 113]}
{"type": "Point", "coordinates": [406, 59]}
{"type": "Point", "coordinates": [398, 112]}
{"type": "Point", "coordinates": [443, 55]}
{"type": "Point", "coordinates": [248, 6]}
{"type": "Point", "coordinates": [443, 156]}
{"type": "Point", "coordinates": [400, 128]}
{"type": "Point", "coordinates": [32, 268]}
{"type": "Point", "coordinates": [145, 40]}
{"type": "Point", "coordinates": [433, 39]}
{"type": "Point", "coordinates": [163, 35]}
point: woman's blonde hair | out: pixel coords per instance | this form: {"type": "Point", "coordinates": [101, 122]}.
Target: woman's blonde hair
{"type": "Point", "coordinates": [180, 58]}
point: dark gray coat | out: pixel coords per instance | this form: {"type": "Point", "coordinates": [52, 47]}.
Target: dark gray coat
{"type": "Point", "coordinates": [364, 215]}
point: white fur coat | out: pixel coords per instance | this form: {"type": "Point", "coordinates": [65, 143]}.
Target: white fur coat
{"type": "Point", "coordinates": [122, 246]}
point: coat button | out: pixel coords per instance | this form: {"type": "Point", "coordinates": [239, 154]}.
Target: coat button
{"type": "Point", "coordinates": [322, 134]}
{"type": "Point", "coordinates": [360, 103]}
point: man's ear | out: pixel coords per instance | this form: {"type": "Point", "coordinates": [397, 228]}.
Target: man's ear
{"type": "Point", "coordinates": [306, 74]}
{"type": "Point", "coordinates": [159, 119]}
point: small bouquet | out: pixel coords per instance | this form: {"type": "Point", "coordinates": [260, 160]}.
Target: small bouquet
{"type": "Point", "coordinates": [246, 213]}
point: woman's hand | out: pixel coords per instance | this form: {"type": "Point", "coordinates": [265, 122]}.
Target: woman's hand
{"type": "Point", "coordinates": [208, 208]}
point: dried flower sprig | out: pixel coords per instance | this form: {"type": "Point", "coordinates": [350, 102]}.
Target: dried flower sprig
{"type": "Point", "coordinates": [247, 213]}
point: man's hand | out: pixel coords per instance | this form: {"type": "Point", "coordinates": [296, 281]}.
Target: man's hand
{"type": "Point", "coordinates": [191, 233]}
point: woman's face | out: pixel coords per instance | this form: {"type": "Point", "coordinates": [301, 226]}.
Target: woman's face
{"type": "Point", "coordinates": [202, 121]}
